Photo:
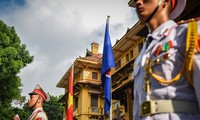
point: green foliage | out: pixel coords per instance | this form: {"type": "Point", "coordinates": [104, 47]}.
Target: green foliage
{"type": "Point", "coordinates": [53, 109]}
{"type": "Point", "coordinates": [13, 57]}
{"type": "Point", "coordinates": [6, 112]}
{"type": "Point", "coordinates": [23, 113]}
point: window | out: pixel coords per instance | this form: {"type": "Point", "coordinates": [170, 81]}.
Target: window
{"type": "Point", "coordinates": [94, 75]}
{"type": "Point", "coordinates": [118, 64]}
{"type": "Point", "coordinates": [94, 104]}
{"type": "Point", "coordinates": [140, 46]}
{"type": "Point", "coordinates": [94, 100]}
{"type": "Point", "coordinates": [131, 54]}
{"type": "Point", "coordinates": [76, 103]}
{"type": "Point", "coordinates": [127, 57]}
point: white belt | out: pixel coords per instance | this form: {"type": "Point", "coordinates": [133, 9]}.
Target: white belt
{"type": "Point", "coordinates": [167, 106]}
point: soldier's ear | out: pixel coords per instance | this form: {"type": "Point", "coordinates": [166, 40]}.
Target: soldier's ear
{"type": "Point", "coordinates": [41, 100]}
{"type": "Point", "coordinates": [167, 5]}
{"type": "Point", "coordinates": [166, 2]}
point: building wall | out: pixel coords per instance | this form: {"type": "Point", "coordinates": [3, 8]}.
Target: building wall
{"type": "Point", "coordinates": [83, 103]}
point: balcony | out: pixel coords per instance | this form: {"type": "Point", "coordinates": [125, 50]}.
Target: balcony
{"type": "Point", "coordinates": [95, 111]}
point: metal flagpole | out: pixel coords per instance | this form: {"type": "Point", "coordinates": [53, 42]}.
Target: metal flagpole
{"type": "Point", "coordinates": [110, 100]}
{"type": "Point", "coordinates": [110, 116]}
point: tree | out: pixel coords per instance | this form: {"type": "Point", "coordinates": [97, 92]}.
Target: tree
{"type": "Point", "coordinates": [13, 57]}
{"type": "Point", "coordinates": [53, 109]}
{"type": "Point", "coordinates": [24, 112]}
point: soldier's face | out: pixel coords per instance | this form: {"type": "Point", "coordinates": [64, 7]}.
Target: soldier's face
{"type": "Point", "coordinates": [32, 100]}
{"type": "Point", "coordinates": [144, 8]}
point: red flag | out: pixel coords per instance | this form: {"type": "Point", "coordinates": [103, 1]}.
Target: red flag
{"type": "Point", "coordinates": [70, 97]}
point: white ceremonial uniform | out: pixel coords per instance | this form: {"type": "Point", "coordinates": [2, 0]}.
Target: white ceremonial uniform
{"type": "Point", "coordinates": [167, 68]}
{"type": "Point", "coordinates": [38, 114]}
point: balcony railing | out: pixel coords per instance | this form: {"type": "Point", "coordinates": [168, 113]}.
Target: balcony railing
{"type": "Point", "coordinates": [75, 113]}
{"type": "Point", "coordinates": [94, 111]}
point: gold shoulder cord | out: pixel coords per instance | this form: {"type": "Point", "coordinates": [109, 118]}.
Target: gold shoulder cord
{"type": "Point", "coordinates": [146, 87]}
{"type": "Point", "coordinates": [187, 66]}
{"type": "Point", "coordinates": [34, 118]}
{"type": "Point", "coordinates": [192, 36]}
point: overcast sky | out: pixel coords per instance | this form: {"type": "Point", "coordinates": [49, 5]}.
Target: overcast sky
{"type": "Point", "coordinates": [56, 32]}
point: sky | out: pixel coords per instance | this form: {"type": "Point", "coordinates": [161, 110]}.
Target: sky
{"type": "Point", "coordinates": [56, 32]}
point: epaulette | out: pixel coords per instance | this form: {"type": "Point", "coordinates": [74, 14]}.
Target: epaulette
{"type": "Point", "coordinates": [188, 20]}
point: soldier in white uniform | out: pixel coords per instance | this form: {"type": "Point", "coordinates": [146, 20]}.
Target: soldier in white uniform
{"type": "Point", "coordinates": [36, 100]}
{"type": "Point", "coordinates": [167, 72]}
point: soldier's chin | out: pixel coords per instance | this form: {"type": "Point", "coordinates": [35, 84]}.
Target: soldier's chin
{"type": "Point", "coordinates": [142, 18]}
{"type": "Point", "coordinates": [143, 21]}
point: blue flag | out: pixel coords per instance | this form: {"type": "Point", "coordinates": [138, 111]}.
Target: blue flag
{"type": "Point", "coordinates": [107, 63]}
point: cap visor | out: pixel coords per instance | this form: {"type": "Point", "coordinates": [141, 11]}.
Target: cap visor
{"type": "Point", "coordinates": [33, 93]}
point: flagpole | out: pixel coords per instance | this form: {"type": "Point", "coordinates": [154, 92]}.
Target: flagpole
{"type": "Point", "coordinates": [110, 116]}
{"type": "Point", "coordinates": [111, 100]}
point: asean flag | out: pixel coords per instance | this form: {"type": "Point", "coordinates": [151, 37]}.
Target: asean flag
{"type": "Point", "coordinates": [107, 63]}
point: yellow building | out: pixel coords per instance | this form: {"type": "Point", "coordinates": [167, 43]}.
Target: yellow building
{"type": "Point", "coordinates": [88, 100]}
